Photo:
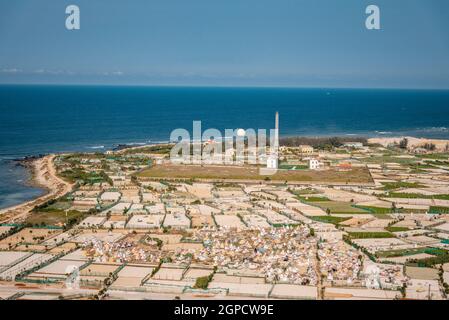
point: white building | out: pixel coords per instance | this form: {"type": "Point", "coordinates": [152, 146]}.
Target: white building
{"type": "Point", "coordinates": [355, 145]}
{"type": "Point", "coordinates": [272, 162]}
{"type": "Point", "coordinates": [305, 149]}
{"type": "Point", "coordinates": [314, 164]}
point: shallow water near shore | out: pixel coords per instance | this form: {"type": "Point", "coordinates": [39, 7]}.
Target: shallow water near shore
{"type": "Point", "coordinates": [44, 119]}
{"type": "Point", "coordinates": [14, 186]}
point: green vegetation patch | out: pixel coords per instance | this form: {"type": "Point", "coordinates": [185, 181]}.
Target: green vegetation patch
{"type": "Point", "coordinates": [390, 159]}
{"type": "Point", "coordinates": [438, 210]}
{"type": "Point", "coordinates": [158, 149]}
{"type": "Point", "coordinates": [313, 199]}
{"type": "Point", "coordinates": [396, 229]}
{"type": "Point", "coordinates": [203, 282]}
{"type": "Point", "coordinates": [338, 207]}
{"type": "Point", "coordinates": [55, 217]}
{"type": "Point", "coordinates": [62, 203]}
{"type": "Point", "coordinates": [401, 184]}
{"type": "Point", "coordinates": [330, 219]}
{"type": "Point", "coordinates": [285, 166]}
{"type": "Point", "coordinates": [78, 174]}
{"type": "Point", "coordinates": [370, 235]}
{"type": "Point", "coordinates": [431, 261]}
{"type": "Point", "coordinates": [421, 166]}
{"type": "Point", "coordinates": [375, 210]}
{"type": "Point", "coordinates": [304, 191]}
{"type": "Point", "coordinates": [409, 252]}
{"type": "Point", "coordinates": [441, 156]}
{"type": "Point", "coordinates": [417, 196]}
{"type": "Point", "coordinates": [438, 162]}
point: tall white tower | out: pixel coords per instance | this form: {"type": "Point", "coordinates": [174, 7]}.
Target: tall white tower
{"type": "Point", "coordinates": [272, 160]}
{"type": "Point", "coordinates": [276, 132]}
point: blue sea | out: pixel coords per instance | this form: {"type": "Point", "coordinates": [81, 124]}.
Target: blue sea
{"type": "Point", "coordinates": [42, 119]}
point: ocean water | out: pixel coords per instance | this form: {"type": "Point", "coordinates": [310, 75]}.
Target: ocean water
{"type": "Point", "coordinates": [43, 119]}
{"type": "Point", "coordinates": [13, 184]}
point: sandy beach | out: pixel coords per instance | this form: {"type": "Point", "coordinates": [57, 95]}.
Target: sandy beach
{"type": "Point", "coordinates": [413, 142]}
{"type": "Point", "coordinates": [44, 176]}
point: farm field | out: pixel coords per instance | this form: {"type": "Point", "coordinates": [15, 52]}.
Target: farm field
{"type": "Point", "coordinates": [337, 207]}
{"type": "Point", "coordinates": [169, 171]}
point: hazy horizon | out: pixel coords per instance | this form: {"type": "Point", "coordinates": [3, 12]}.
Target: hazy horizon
{"type": "Point", "coordinates": [265, 43]}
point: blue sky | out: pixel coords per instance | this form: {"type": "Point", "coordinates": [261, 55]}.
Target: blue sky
{"type": "Point", "coordinates": [304, 43]}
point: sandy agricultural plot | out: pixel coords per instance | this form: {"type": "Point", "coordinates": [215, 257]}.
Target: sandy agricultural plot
{"type": "Point", "coordinates": [64, 248]}
{"type": "Point", "coordinates": [375, 203]}
{"type": "Point", "coordinates": [208, 210]}
{"type": "Point", "coordinates": [176, 221]}
{"type": "Point", "coordinates": [254, 220]}
{"type": "Point", "coordinates": [229, 221]}
{"type": "Point", "coordinates": [341, 195]}
{"type": "Point", "coordinates": [360, 294]}
{"type": "Point", "coordinates": [120, 207]}
{"type": "Point", "coordinates": [76, 255]}
{"type": "Point", "coordinates": [132, 276]}
{"type": "Point", "coordinates": [419, 289]}
{"type": "Point", "coordinates": [194, 273]}
{"type": "Point", "coordinates": [423, 240]}
{"type": "Point", "coordinates": [4, 229]}
{"type": "Point", "coordinates": [200, 190]}
{"type": "Point", "coordinates": [99, 269]}
{"type": "Point", "coordinates": [158, 208]}
{"type": "Point", "coordinates": [9, 257]}
{"type": "Point", "coordinates": [92, 221]}
{"type": "Point", "coordinates": [168, 274]}
{"type": "Point", "coordinates": [145, 221]}
{"type": "Point", "coordinates": [275, 218]}
{"type": "Point", "coordinates": [167, 238]}
{"type": "Point", "coordinates": [443, 227]}
{"type": "Point", "coordinates": [422, 273]}
{"type": "Point", "coordinates": [150, 197]}
{"type": "Point", "coordinates": [183, 245]}
{"type": "Point", "coordinates": [291, 291]}
{"type": "Point", "coordinates": [306, 209]}
{"type": "Point", "coordinates": [57, 269]}
{"type": "Point", "coordinates": [110, 196]}
{"type": "Point", "coordinates": [32, 261]}
{"type": "Point", "coordinates": [100, 235]}
{"type": "Point", "coordinates": [199, 220]}
{"type": "Point", "coordinates": [243, 289]}
{"type": "Point", "coordinates": [382, 244]}
{"type": "Point", "coordinates": [116, 224]}
{"type": "Point", "coordinates": [378, 223]}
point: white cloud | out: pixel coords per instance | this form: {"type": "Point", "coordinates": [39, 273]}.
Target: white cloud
{"type": "Point", "coordinates": [10, 70]}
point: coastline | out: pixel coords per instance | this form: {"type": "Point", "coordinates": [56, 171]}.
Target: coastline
{"type": "Point", "coordinates": [43, 175]}
{"type": "Point", "coordinates": [441, 145]}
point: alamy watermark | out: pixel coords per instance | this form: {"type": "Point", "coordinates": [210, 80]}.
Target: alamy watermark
{"type": "Point", "coordinates": [73, 20]}
{"type": "Point", "coordinates": [235, 147]}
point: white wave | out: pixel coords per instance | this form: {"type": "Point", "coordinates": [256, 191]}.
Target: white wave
{"type": "Point", "coordinates": [434, 129]}
{"type": "Point", "coordinates": [96, 147]}
{"type": "Point", "coordinates": [136, 144]}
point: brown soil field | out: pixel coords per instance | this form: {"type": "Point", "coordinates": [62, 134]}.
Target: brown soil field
{"type": "Point", "coordinates": [248, 173]}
